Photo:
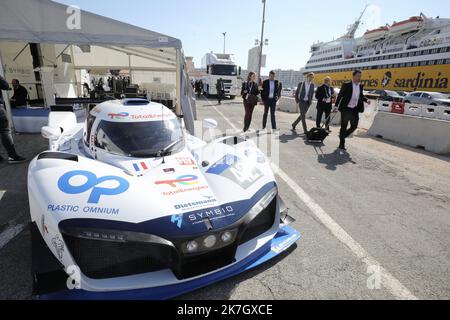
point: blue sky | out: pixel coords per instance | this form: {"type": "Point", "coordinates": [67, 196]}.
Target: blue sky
{"type": "Point", "coordinates": [291, 25]}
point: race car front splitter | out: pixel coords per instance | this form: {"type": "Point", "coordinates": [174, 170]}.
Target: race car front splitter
{"type": "Point", "coordinates": [283, 240]}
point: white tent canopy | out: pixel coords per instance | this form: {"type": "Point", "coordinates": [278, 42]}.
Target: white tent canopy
{"type": "Point", "coordinates": [45, 21]}
{"type": "Point", "coordinates": [98, 43]}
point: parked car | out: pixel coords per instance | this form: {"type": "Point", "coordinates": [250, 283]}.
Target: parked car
{"type": "Point", "coordinates": [387, 95]}
{"type": "Point", "coordinates": [402, 93]}
{"type": "Point", "coordinates": [288, 92]}
{"type": "Point", "coordinates": [428, 98]}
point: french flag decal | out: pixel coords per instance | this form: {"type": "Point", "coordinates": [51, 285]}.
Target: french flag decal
{"type": "Point", "coordinates": [141, 166]}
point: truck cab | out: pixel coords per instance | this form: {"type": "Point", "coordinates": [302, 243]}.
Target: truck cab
{"type": "Point", "coordinates": [221, 66]}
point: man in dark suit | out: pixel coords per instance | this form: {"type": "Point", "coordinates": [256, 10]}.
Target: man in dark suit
{"type": "Point", "coordinates": [270, 94]}
{"type": "Point", "coordinates": [5, 132]}
{"type": "Point", "coordinates": [324, 96]}
{"type": "Point", "coordinates": [350, 103]}
{"type": "Point", "coordinates": [304, 97]}
{"type": "Point", "coordinates": [220, 87]}
{"type": "Point", "coordinates": [20, 97]}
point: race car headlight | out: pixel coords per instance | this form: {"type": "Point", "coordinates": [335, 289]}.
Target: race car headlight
{"type": "Point", "coordinates": [192, 246]}
{"type": "Point", "coordinates": [262, 203]}
{"type": "Point", "coordinates": [226, 236]}
{"type": "Point", "coordinates": [210, 242]}
{"type": "Point", "coordinates": [114, 235]}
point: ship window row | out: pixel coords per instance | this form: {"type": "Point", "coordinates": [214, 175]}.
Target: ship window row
{"type": "Point", "coordinates": [326, 58]}
{"type": "Point", "coordinates": [327, 51]}
{"type": "Point", "coordinates": [386, 57]}
{"type": "Point", "coordinates": [395, 65]}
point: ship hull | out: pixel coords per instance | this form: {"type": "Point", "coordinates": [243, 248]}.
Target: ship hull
{"type": "Point", "coordinates": [422, 78]}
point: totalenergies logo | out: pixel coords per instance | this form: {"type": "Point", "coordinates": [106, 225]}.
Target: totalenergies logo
{"type": "Point", "coordinates": [186, 180]}
{"type": "Point", "coordinates": [119, 116]}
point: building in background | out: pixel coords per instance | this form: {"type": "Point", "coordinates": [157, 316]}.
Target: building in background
{"type": "Point", "coordinates": [192, 71]}
{"type": "Point", "coordinates": [190, 66]}
{"type": "Point", "coordinates": [253, 59]}
{"type": "Point", "coordinates": [289, 78]}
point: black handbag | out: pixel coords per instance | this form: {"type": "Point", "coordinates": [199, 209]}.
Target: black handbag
{"type": "Point", "coordinates": [251, 98]}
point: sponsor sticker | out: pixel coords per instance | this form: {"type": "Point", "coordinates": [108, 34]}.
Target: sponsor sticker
{"type": "Point", "coordinates": [150, 116]}
{"type": "Point", "coordinates": [207, 201]}
{"type": "Point", "coordinates": [141, 166]}
{"type": "Point", "coordinates": [58, 244]}
{"type": "Point", "coordinates": [285, 244]}
{"type": "Point", "coordinates": [177, 219]}
{"type": "Point", "coordinates": [92, 182]}
{"type": "Point", "coordinates": [186, 180]}
{"type": "Point", "coordinates": [186, 161]}
{"type": "Point", "coordinates": [119, 116]}
{"type": "Point", "coordinates": [169, 170]}
{"type": "Point", "coordinates": [212, 214]}
{"type": "Point", "coordinates": [182, 184]}
{"type": "Point", "coordinates": [63, 208]}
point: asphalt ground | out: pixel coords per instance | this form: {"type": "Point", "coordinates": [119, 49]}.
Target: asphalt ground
{"type": "Point", "coordinates": [381, 211]}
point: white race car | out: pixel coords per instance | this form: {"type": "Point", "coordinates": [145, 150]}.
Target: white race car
{"type": "Point", "coordinates": [130, 205]}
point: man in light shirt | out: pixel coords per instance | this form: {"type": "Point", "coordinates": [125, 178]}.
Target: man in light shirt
{"type": "Point", "coordinates": [270, 94]}
{"type": "Point", "coordinates": [350, 102]}
{"type": "Point", "coordinates": [304, 97]}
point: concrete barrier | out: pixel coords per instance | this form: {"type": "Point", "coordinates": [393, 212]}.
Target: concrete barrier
{"type": "Point", "coordinates": [443, 113]}
{"type": "Point", "coordinates": [365, 119]}
{"type": "Point", "coordinates": [431, 134]}
{"type": "Point", "coordinates": [429, 111]}
{"type": "Point", "coordinates": [384, 106]}
{"type": "Point", "coordinates": [413, 110]}
{"type": "Point", "coordinates": [288, 104]}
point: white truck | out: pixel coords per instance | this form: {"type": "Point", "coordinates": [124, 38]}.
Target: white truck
{"type": "Point", "coordinates": [221, 66]}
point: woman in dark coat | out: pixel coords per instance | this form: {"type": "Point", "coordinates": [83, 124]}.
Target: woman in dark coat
{"type": "Point", "coordinates": [249, 93]}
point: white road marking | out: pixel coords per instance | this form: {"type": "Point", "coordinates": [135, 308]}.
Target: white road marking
{"type": "Point", "coordinates": [10, 233]}
{"type": "Point", "coordinates": [394, 286]}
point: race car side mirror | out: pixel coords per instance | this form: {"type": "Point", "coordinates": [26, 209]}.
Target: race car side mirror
{"type": "Point", "coordinates": [51, 133]}
{"type": "Point", "coordinates": [209, 124]}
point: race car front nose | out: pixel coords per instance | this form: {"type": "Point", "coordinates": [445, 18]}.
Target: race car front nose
{"type": "Point", "coordinates": [106, 253]}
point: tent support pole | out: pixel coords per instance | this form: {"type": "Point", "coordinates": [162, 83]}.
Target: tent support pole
{"type": "Point", "coordinates": [78, 85]}
{"type": "Point", "coordinates": [6, 97]}
{"type": "Point", "coordinates": [129, 66]}
{"type": "Point", "coordinates": [178, 84]}
{"type": "Point", "coordinates": [20, 52]}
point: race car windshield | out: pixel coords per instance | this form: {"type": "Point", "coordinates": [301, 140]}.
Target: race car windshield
{"type": "Point", "coordinates": [140, 139]}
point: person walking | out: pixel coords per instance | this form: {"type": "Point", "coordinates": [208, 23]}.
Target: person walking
{"type": "Point", "coordinates": [5, 132]}
{"type": "Point", "coordinates": [249, 95]}
{"type": "Point", "coordinates": [324, 96]}
{"type": "Point", "coordinates": [304, 97]}
{"type": "Point", "coordinates": [350, 102]}
{"type": "Point", "coordinates": [198, 89]}
{"type": "Point", "coordinates": [220, 87]}
{"type": "Point", "coordinates": [270, 94]}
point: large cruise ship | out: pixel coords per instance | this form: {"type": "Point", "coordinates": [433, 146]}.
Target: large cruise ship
{"type": "Point", "coordinates": [409, 55]}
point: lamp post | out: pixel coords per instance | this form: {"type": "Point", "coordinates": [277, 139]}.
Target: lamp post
{"type": "Point", "coordinates": [224, 41]}
{"type": "Point", "coordinates": [261, 43]}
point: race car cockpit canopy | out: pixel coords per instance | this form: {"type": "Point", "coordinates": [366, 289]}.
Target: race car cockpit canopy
{"type": "Point", "coordinates": [134, 128]}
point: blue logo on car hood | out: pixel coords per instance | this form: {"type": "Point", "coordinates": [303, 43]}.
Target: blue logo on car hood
{"type": "Point", "coordinates": [92, 181]}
